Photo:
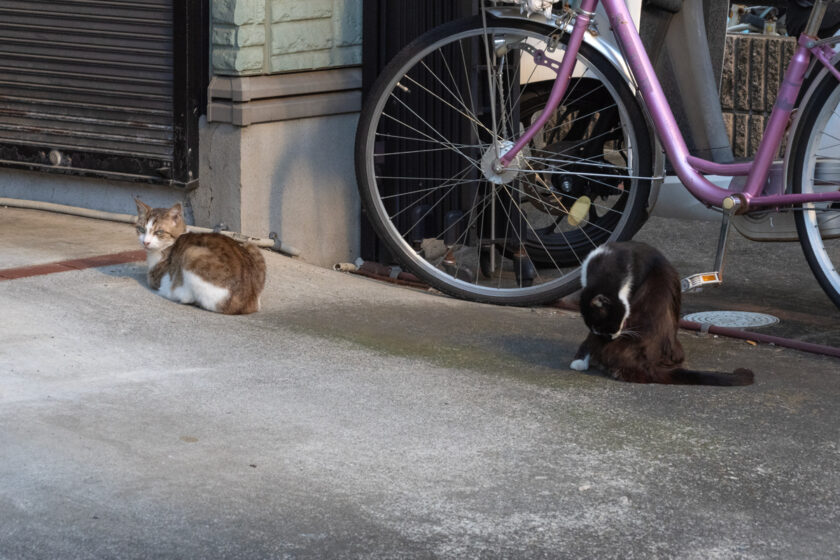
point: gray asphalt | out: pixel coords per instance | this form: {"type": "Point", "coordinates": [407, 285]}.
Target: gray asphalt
{"type": "Point", "coordinates": [355, 419]}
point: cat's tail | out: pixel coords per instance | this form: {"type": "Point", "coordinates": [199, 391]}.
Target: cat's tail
{"type": "Point", "coordinates": [740, 376]}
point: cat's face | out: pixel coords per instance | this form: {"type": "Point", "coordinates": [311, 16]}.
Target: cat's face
{"type": "Point", "coordinates": [158, 228]}
{"type": "Point", "coordinates": [605, 316]}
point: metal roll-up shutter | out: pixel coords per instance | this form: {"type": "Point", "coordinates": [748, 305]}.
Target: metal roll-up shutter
{"type": "Point", "coordinates": [95, 87]}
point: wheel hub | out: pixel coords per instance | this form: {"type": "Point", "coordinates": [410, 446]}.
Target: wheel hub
{"type": "Point", "coordinates": [493, 169]}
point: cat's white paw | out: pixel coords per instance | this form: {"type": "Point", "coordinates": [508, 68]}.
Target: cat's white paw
{"type": "Point", "coordinates": [580, 364]}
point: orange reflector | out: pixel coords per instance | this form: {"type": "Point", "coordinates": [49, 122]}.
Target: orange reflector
{"type": "Point", "coordinates": [578, 211]}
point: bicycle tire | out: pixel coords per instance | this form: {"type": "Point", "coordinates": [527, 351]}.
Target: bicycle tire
{"type": "Point", "coordinates": [814, 169]}
{"type": "Point", "coordinates": [495, 247]}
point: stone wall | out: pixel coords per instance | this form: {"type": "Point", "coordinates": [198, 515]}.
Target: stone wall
{"type": "Point", "coordinates": [276, 148]}
{"type": "Point", "coordinates": [294, 178]}
{"type": "Point", "coordinates": [753, 67]}
{"type": "Point", "coordinates": [252, 37]}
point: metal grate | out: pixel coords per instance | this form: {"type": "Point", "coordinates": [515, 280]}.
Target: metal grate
{"type": "Point", "coordinates": [732, 319]}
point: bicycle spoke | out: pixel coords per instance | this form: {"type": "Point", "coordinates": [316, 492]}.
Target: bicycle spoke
{"type": "Point", "coordinates": [406, 152]}
{"type": "Point", "coordinates": [522, 88]}
{"type": "Point", "coordinates": [426, 139]}
{"type": "Point", "coordinates": [426, 214]}
{"type": "Point", "coordinates": [471, 118]}
{"type": "Point", "coordinates": [444, 140]}
{"type": "Point", "coordinates": [446, 184]}
{"type": "Point", "coordinates": [528, 223]}
{"type": "Point", "coordinates": [467, 111]}
{"type": "Point", "coordinates": [424, 190]}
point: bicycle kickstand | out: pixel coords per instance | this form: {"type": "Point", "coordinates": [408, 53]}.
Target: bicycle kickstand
{"type": "Point", "coordinates": [696, 282]}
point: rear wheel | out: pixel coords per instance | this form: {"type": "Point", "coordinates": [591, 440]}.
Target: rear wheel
{"type": "Point", "coordinates": [432, 129]}
{"type": "Point", "coordinates": [816, 169]}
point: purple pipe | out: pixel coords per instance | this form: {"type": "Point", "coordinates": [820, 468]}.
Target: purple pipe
{"type": "Point", "coordinates": [779, 118]}
{"type": "Point", "coordinates": [765, 339]}
{"type": "Point", "coordinates": [788, 199]}
{"type": "Point", "coordinates": [558, 90]}
{"type": "Point", "coordinates": [725, 169]}
{"type": "Point", "coordinates": [824, 55]}
{"type": "Point", "coordinates": [660, 111]}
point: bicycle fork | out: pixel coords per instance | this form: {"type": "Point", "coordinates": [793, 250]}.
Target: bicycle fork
{"type": "Point", "coordinates": [558, 90]}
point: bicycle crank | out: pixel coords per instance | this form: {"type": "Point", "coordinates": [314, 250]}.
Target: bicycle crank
{"type": "Point", "coordinates": [696, 282]}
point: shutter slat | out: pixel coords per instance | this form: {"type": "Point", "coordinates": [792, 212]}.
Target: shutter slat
{"type": "Point", "coordinates": [10, 138]}
{"type": "Point", "coordinates": [88, 77]}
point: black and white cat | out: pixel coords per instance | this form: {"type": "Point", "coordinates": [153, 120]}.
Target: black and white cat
{"type": "Point", "coordinates": [631, 303]}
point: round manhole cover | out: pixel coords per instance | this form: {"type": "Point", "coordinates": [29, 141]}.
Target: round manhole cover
{"type": "Point", "coordinates": [732, 319]}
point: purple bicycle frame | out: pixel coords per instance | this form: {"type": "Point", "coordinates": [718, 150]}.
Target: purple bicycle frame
{"type": "Point", "coordinates": [690, 169]}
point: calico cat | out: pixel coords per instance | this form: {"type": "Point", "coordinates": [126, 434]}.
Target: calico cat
{"type": "Point", "coordinates": [210, 270]}
{"type": "Point", "coordinates": [631, 304]}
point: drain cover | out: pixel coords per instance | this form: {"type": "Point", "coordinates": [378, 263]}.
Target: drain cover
{"type": "Point", "coordinates": [732, 319]}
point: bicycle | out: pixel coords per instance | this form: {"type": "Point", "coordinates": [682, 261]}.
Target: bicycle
{"type": "Point", "coordinates": [493, 185]}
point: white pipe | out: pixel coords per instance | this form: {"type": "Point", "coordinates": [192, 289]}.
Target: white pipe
{"type": "Point", "coordinates": [72, 210]}
{"type": "Point", "coordinates": [345, 267]}
{"type": "Point", "coordinates": [132, 219]}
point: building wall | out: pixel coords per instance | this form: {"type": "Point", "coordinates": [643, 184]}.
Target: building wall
{"type": "Point", "coordinates": [277, 145]}
{"type": "Point", "coordinates": [253, 37]}
{"type": "Point", "coordinates": [294, 178]}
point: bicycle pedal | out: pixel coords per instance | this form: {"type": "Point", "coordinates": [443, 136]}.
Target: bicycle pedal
{"type": "Point", "coordinates": [697, 282]}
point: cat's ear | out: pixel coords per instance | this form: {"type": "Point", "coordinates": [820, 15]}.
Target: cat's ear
{"type": "Point", "coordinates": [600, 301]}
{"type": "Point", "coordinates": [142, 209]}
{"type": "Point", "coordinates": [175, 212]}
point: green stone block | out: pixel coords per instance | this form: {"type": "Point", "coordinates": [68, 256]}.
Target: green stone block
{"type": "Point", "coordinates": [292, 10]}
{"type": "Point", "coordinates": [239, 12]}
{"type": "Point", "coordinates": [301, 36]}
{"type": "Point", "coordinates": [248, 60]}
{"type": "Point", "coordinates": [250, 35]}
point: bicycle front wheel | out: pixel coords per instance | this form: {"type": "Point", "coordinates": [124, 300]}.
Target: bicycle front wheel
{"type": "Point", "coordinates": [816, 168]}
{"type": "Point", "coordinates": [427, 149]}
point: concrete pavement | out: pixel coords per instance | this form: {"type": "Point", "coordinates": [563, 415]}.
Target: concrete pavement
{"type": "Point", "coordinates": [355, 419]}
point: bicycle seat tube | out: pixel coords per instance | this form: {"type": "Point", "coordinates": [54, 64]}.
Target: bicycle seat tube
{"type": "Point", "coordinates": [812, 28]}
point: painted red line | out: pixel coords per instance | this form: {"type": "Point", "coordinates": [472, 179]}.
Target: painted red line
{"type": "Point", "coordinates": [72, 264]}
{"type": "Point", "coordinates": [36, 270]}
